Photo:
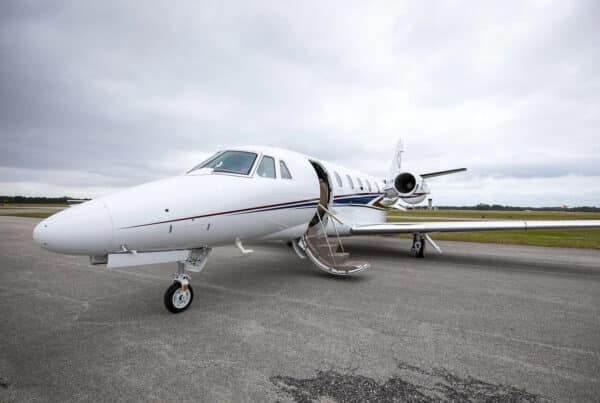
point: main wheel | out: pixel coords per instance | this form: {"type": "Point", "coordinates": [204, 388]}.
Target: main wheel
{"type": "Point", "coordinates": [421, 250]}
{"type": "Point", "coordinates": [176, 299]}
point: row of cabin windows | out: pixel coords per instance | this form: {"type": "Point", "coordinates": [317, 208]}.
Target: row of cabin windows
{"type": "Point", "coordinates": [266, 168]}
{"type": "Point", "coordinates": [360, 183]}
{"type": "Point", "coordinates": [241, 162]}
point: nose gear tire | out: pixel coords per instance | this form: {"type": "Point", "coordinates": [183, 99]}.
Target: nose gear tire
{"type": "Point", "coordinates": [176, 299]}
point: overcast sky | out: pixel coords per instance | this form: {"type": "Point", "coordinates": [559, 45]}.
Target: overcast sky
{"type": "Point", "coordinates": [96, 96]}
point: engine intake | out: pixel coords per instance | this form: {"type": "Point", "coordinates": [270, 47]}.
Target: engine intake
{"type": "Point", "coordinates": [406, 183]}
{"type": "Point", "coordinates": [411, 188]}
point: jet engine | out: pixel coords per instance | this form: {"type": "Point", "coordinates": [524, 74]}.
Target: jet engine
{"type": "Point", "coordinates": [410, 187]}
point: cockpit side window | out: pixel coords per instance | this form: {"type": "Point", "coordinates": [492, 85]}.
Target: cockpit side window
{"type": "Point", "coordinates": [338, 179]}
{"type": "Point", "coordinates": [350, 181]}
{"type": "Point", "coordinates": [266, 168]}
{"type": "Point", "coordinates": [285, 172]}
{"type": "Point", "coordinates": [237, 162]}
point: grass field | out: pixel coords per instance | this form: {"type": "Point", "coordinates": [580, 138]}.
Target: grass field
{"type": "Point", "coordinates": [30, 205]}
{"type": "Point", "coordinates": [27, 215]}
{"type": "Point", "coordinates": [500, 215]}
{"type": "Point", "coordinates": [561, 238]}
{"type": "Point", "coordinates": [30, 210]}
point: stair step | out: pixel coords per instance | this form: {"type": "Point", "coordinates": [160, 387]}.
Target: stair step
{"type": "Point", "coordinates": [324, 246]}
{"type": "Point", "coordinates": [336, 255]}
{"type": "Point", "coordinates": [334, 247]}
{"type": "Point", "coordinates": [350, 266]}
{"type": "Point", "coordinates": [335, 261]}
{"type": "Point", "coordinates": [326, 253]}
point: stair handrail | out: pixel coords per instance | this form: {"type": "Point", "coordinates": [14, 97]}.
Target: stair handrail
{"type": "Point", "coordinates": [337, 234]}
{"type": "Point", "coordinates": [326, 238]}
{"type": "Point", "coordinates": [331, 214]}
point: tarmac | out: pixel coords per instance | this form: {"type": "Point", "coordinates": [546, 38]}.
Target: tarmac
{"type": "Point", "coordinates": [480, 322]}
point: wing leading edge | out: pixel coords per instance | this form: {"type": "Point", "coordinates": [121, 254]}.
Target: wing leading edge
{"type": "Point", "coordinates": [470, 226]}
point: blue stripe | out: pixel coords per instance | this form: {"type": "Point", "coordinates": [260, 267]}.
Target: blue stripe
{"type": "Point", "coordinates": [356, 200]}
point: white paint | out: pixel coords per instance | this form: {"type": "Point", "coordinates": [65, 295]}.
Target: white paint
{"type": "Point", "coordinates": [204, 209]}
{"type": "Point", "coordinates": [116, 260]}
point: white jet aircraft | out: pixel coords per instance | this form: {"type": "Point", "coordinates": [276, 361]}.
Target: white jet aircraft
{"type": "Point", "coordinates": [252, 193]}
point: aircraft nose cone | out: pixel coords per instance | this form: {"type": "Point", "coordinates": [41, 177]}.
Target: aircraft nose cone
{"type": "Point", "coordinates": [38, 233]}
{"type": "Point", "coordinates": [85, 229]}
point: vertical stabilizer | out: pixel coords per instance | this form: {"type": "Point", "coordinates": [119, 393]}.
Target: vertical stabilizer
{"type": "Point", "coordinates": [396, 165]}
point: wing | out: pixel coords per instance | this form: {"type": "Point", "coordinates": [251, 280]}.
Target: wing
{"type": "Point", "coordinates": [469, 226]}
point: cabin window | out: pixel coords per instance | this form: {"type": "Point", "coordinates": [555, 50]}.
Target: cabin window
{"type": "Point", "coordinates": [266, 168]}
{"type": "Point", "coordinates": [285, 172]}
{"type": "Point", "coordinates": [368, 185]}
{"type": "Point", "coordinates": [338, 179]}
{"type": "Point", "coordinates": [237, 162]}
{"type": "Point", "coordinates": [350, 181]}
{"type": "Point", "coordinates": [360, 185]}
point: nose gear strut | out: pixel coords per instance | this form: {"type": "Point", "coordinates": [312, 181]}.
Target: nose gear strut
{"type": "Point", "coordinates": [180, 294]}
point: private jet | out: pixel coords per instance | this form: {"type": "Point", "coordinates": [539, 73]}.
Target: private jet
{"type": "Point", "coordinates": [257, 194]}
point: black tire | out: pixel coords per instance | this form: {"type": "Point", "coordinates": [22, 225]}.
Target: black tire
{"type": "Point", "coordinates": [168, 299]}
{"type": "Point", "coordinates": [421, 251]}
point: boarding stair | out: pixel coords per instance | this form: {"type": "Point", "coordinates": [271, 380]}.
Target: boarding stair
{"type": "Point", "coordinates": [327, 252]}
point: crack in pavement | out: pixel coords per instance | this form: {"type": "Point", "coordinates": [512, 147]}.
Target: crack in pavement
{"type": "Point", "coordinates": [416, 385]}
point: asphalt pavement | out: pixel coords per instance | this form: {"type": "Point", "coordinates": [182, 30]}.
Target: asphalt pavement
{"type": "Point", "coordinates": [479, 322]}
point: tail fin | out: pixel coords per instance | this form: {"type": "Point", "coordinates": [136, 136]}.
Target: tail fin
{"type": "Point", "coordinates": [396, 166]}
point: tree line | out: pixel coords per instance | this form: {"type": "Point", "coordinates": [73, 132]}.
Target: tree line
{"type": "Point", "coordinates": [36, 200]}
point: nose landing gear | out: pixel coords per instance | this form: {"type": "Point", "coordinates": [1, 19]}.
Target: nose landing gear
{"type": "Point", "coordinates": [180, 294]}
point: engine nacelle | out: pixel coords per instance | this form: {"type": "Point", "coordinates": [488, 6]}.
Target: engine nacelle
{"type": "Point", "coordinates": [411, 187]}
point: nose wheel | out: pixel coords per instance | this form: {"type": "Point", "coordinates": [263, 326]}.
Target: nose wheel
{"type": "Point", "coordinates": [180, 294]}
{"type": "Point", "coordinates": [177, 299]}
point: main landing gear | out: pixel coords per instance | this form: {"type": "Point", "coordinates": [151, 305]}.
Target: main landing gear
{"type": "Point", "coordinates": [180, 294]}
{"type": "Point", "coordinates": [418, 246]}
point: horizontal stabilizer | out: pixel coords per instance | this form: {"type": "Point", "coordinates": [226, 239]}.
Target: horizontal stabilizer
{"type": "Point", "coordinates": [468, 226]}
{"type": "Point", "coordinates": [440, 173]}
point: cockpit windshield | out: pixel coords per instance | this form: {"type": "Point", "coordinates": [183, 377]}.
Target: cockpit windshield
{"type": "Point", "coordinates": [237, 162]}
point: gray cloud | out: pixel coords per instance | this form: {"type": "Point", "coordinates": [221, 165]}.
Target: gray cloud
{"type": "Point", "coordinates": [105, 95]}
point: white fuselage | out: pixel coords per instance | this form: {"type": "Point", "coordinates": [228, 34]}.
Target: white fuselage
{"type": "Point", "coordinates": [206, 209]}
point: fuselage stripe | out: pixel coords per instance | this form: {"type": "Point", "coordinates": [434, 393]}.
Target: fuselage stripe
{"type": "Point", "coordinates": [240, 211]}
{"type": "Point", "coordinates": [356, 199]}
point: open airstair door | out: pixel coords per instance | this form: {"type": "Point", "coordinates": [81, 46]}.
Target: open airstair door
{"type": "Point", "coordinates": [327, 253]}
